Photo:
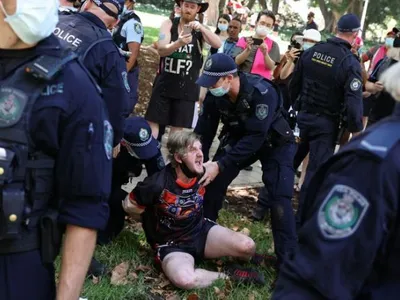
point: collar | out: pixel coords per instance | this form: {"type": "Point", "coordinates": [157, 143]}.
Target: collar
{"type": "Point", "coordinates": [339, 41]}
{"type": "Point", "coordinates": [94, 19]}
{"type": "Point", "coordinates": [245, 87]}
{"type": "Point", "coordinates": [179, 182]}
{"type": "Point", "coordinates": [229, 40]}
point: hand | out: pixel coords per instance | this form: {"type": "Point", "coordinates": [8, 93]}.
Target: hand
{"type": "Point", "coordinates": [264, 48]}
{"type": "Point", "coordinates": [379, 86]}
{"type": "Point", "coordinates": [293, 54]}
{"type": "Point", "coordinates": [116, 150]}
{"type": "Point", "coordinates": [185, 39]}
{"type": "Point", "coordinates": [195, 25]}
{"type": "Point", "coordinates": [250, 43]}
{"type": "Point", "coordinates": [366, 94]}
{"type": "Point", "coordinates": [131, 207]}
{"type": "Point", "coordinates": [212, 170]}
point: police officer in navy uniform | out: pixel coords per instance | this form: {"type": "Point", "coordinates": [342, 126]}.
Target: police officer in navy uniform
{"type": "Point", "coordinates": [86, 34]}
{"type": "Point", "coordinates": [138, 148]}
{"type": "Point", "coordinates": [254, 129]}
{"type": "Point", "coordinates": [349, 242]}
{"type": "Point", "coordinates": [129, 35]}
{"type": "Point", "coordinates": [56, 151]}
{"type": "Point", "coordinates": [327, 84]}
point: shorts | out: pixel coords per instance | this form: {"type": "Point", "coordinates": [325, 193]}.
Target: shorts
{"type": "Point", "coordinates": [170, 111]}
{"type": "Point", "coordinates": [195, 246]}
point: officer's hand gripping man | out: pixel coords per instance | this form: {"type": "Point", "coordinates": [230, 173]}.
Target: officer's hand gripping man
{"type": "Point", "coordinates": [254, 129]}
{"type": "Point", "coordinates": [86, 34]}
{"type": "Point", "coordinates": [349, 240]}
{"type": "Point", "coordinates": [55, 148]}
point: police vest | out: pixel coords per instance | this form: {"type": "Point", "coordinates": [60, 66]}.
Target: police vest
{"type": "Point", "coordinates": [79, 34]}
{"type": "Point", "coordinates": [234, 115]}
{"type": "Point", "coordinates": [26, 175]}
{"type": "Point", "coordinates": [117, 37]}
{"type": "Point", "coordinates": [180, 70]}
{"type": "Point", "coordinates": [321, 90]}
{"type": "Point", "coordinates": [377, 142]}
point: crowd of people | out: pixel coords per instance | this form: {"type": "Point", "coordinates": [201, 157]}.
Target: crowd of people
{"type": "Point", "coordinates": [69, 140]}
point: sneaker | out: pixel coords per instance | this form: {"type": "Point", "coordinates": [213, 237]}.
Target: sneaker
{"type": "Point", "coordinates": [258, 213]}
{"type": "Point", "coordinates": [264, 259]}
{"type": "Point", "coordinates": [96, 268]}
{"type": "Point", "coordinates": [244, 275]}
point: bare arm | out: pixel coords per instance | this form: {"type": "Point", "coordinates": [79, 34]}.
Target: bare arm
{"type": "Point", "coordinates": [77, 252]}
{"type": "Point", "coordinates": [165, 47]}
{"type": "Point", "coordinates": [269, 63]}
{"type": "Point", "coordinates": [289, 66]}
{"type": "Point", "coordinates": [241, 58]}
{"type": "Point", "coordinates": [134, 48]}
{"type": "Point", "coordinates": [210, 37]}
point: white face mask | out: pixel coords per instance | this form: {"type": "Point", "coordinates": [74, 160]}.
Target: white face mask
{"type": "Point", "coordinates": [34, 20]}
{"type": "Point", "coordinates": [263, 30]}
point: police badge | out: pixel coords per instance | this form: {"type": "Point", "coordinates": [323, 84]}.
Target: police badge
{"type": "Point", "coordinates": [262, 111]}
{"type": "Point", "coordinates": [208, 64]}
{"type": "Point", "coordinates": [126, 83]}
{"type": "Point", "coordinates": [341, 212]}
{"type": "Point", "coordinates": [143, 134]}
{"type": "Point", "coordinates": [12, 105]}
{"type": "Point", "coordinates": [138, 28]}
{"type": "Point", "coordinates": [355, 85]}
{"type": "Point", "coordinates": [108, 139]}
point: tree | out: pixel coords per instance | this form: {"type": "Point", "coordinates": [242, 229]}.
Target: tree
{"type": "Point", "coordinates": [212, 12]}
{"type": "Point", "coordinates": [263, 4]}
{"type": "Point", "coordinates": [222, 4]}
{"type": "Point", "coordinates": [275, 6]}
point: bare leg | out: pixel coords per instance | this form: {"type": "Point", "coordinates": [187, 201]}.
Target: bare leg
{"type": "Point", "coordinates": [179, 268]}
{"type": "Point", "coordinates": [154, 129]}
{"type": "Point", "coordinates": [303, 171]}
{"type": "Point", "coordinates": [222, 241]}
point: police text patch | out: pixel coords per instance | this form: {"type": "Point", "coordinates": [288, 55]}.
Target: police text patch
{"type": "Point", "coordinates": [341, 212]}
{"type": "Point", "coordinates": [355, 84]}
{"type": "Point", "coordinates": [262, 111]}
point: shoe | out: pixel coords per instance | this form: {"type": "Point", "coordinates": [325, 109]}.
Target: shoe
{"type": "Point", "coordinates": [97, 269]}
{"type": "Point", "coordinates": [258, 213]}
{"type": "Point", "coordinates": [264, 259]}
{"type": "Point", "coordinates": [244, 275]}
{"type": "Point", "coordinates": [248, 168]}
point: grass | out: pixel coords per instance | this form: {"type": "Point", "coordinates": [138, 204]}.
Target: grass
{"type": "Point", "coordinates": [131, 247]}
{"type": "Point", "coordinates": [150, 35]}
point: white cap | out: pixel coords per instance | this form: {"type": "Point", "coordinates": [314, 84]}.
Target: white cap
{"type": "Point", "coordinates": [310, 34]}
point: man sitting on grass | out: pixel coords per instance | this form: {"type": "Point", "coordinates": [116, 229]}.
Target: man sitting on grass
{"type": "Point", "coordinates": [171, 204]}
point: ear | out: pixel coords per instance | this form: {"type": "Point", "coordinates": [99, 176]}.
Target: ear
{"type": "Point", "coordinates": [177, 158]}
{"type": "Point", "coordinates": [199, 8]}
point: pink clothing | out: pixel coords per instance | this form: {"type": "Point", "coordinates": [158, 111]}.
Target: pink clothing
{"type": "Point", "coordinates": [380, 54]}
{"type": "Point", "coordinates": [258, 66]}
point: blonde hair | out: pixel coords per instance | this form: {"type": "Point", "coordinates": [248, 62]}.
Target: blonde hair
{"type": "Point", "coordinates": [179, 143]}
{"type": "Point", "coordinates": [391, 81]}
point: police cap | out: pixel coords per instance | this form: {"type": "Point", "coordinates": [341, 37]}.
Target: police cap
{"type": "Point", "coordinates": [349, 23]}
{"type": "Point", "coordinates": [217, 65]}
{"type": "Point", "coordinates": [138, 138]}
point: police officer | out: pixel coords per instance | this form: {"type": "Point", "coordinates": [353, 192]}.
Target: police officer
{"type": "Point", "coordinates": [55, 148]}
{"type": "Point", "coordinates": [86, 34]}
{"type": "Point", "coordinates": [138, 148]}
{"type": "Point", "coordinates": [254, 129]}
{"type": "Point", "coordinates": [327, 84]}
{"type": "Point", "coordinates": [129, 35]}
{"type": "Point", "coordinates": [349, 239]}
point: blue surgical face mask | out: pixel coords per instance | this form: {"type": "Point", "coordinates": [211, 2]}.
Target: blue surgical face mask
{"type": "Point", "coordinates": [222, 27]}
{"type": "Point", "coordinates": [389, 42]}
{"type": "Point", "coordinates": [307, 45]}
{"type": "Point", "coordinates": [219, 91]}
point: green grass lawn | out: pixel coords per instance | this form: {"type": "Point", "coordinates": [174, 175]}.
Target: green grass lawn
{"type": "Point", "coordinates": [150, 35]}
{"type": "Point", "coordinates": [143, 279]}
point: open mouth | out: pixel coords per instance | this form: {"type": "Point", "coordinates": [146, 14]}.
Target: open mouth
{"type": "Point", "coordinates": [198, 163]}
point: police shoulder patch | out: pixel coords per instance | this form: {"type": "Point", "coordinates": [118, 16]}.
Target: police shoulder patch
{"type": "Point", "coordinates": [12, 105]}
{"type": "Point", "coordinates": [125, 79]}
{"type": "Point", "coordinates": [342, 212]}
{"type": "Point", "coordinates": [355, 84]}
{"type": "Point", "coordinates": [143, 134]}
{"type": "Point", "coordinates": [138, 28]}
{"type": "Point", "coordinates": [108, 139]}
{"type": "Point", "coordinates": [262, 111]}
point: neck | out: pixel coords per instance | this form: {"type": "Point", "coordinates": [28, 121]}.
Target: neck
{"type": "Point", "coordinates": [256, 36]}
{"type": "Point", "coordinates": [66, 3]}
{"type": "Point", "coordinates": [234, 90]}
{"type": "Point", "coordinates": [181, 176]}
{"type": "Point", "coordinates": [346, 38]}
{"type": "Point", "coordinates": [234, 38]}
{"type": "Point", "coordinates": [224, 33]}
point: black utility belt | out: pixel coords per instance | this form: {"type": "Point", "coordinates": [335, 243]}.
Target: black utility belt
{"type": "Point", "coordinates": [321, 112]}
{"type": "Point", "coordinates": [29, 240]}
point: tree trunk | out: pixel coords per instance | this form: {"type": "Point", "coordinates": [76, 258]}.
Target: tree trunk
{"type": "Point", "coordinates": [251, 4]}
{"type": "Point", "coordinates": [263, 4]}
{"type": "Point", "coordinates": [275, 6]}
{"type": "Point", "coordinates": [221, 7]}
{"type": "Point", "coordinates": [212, 12]}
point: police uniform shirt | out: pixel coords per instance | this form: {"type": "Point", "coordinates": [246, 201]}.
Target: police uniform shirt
{"type": "Point", "coordinates": [349, 239]}
{"type": "Point", "coordinates": [108, 67]}
{"type": "Point", "coordinates": [253, 129]}
{"type": "Point", "coordinates": [133, 31]}
{"type": "Point", "coordinates": [68, 123]}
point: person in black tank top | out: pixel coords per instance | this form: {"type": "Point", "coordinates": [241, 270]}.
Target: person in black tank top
{"type": "Point", "coordinates": [180, 48]}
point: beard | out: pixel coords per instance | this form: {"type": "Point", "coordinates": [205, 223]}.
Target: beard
{"type": "Point", "coordinates": [187, 17]}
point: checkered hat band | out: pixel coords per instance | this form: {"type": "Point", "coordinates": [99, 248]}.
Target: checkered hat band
{"type": "Point", "coordinates": [139, 144]}
{"type": "Point", "coordinates": [219, 74]}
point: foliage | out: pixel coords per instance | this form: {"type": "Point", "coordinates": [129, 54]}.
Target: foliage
{"type": "Point", "coordinates": [150, 35]}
